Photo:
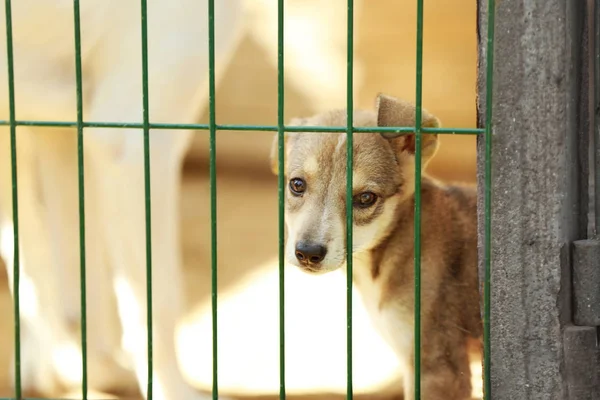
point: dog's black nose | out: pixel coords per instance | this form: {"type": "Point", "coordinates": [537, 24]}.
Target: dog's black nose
{"type": "Point", "coordinates": [308, 252]}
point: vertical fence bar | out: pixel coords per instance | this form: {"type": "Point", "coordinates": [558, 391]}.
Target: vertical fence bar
{"type": "Point", "coordinates": [349, 208]}
{"type": "Point", "coordinates": [487, 386]}
{"type": "Point", "coordinates": [281, 193]}
{"type": "Point", "coordinates": [147, 191]}
{"type": "Point", "coordinates": [213, 188]}
{"type": "Point", "coordinates": [596, 116]}
{"type": "Point", "coordinates": [80, 167]}
{"type": "Point", "coordinates": [417, 217]}
{"type": "Point", "coordinates": [15, 196]}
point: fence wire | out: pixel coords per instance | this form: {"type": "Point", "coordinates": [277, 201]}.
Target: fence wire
{"type": "Point", "coordinates": [81, 188]}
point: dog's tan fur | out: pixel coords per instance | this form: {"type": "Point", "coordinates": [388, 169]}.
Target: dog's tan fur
{"type": "Point", "coordinates": [383, 243]}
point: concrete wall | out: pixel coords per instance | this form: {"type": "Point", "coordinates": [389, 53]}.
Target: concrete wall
{"type": "Point", "coordinates": [540, 198]}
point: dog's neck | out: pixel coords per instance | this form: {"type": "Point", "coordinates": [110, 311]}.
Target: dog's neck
{"type": "Point", "coordinates": [366, 263]}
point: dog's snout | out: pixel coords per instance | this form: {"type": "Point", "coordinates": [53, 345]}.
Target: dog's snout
{"type": "Point", "coordinates": [307, 252]}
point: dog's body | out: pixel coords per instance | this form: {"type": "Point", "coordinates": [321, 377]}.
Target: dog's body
{"type": "Point", "coordinates": [45, 87]}
{"type": "Point", "coordinates": [383, 245]}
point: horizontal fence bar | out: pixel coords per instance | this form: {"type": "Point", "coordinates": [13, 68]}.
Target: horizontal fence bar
{"type": "Point", "coordinates": [268, 128]}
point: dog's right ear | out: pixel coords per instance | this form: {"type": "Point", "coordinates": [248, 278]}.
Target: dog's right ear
{"type": "Point", "coordinates": [286, 139]}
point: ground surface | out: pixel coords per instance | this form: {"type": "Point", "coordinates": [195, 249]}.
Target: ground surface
{"type": "Point", "coordinates": [259, 205]}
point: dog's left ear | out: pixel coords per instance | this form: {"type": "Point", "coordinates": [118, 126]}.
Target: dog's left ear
{"type": "Point", "coordinates": [396, 112]}
{"type": "Point", "coordinates": [286, 139]}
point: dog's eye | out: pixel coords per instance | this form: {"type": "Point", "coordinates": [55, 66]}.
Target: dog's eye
{"type": "Point", "coordinates": [297, 186]}
{"type": "Point", "coordinates": [364, 200]}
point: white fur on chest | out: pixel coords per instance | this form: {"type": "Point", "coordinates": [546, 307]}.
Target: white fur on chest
{"type": "Point", "coordinates": [394, 323]}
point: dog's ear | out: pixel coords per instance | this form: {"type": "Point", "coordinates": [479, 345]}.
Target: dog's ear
{"type": "Point", "coordinates": [396, 112]}
{"type": "Point", "coordinates": [286, 139]}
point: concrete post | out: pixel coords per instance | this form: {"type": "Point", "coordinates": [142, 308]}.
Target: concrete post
{"type": "Point", "coordinates": [539, 198]}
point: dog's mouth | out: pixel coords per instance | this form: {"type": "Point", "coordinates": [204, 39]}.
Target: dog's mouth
{"type": "Point", "coordinates": [312, 270]}
{"type": "Point", "coordinates": [315, 269]}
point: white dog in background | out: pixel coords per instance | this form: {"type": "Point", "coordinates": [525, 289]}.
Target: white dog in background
{"type": "Point", "coordinates": [45, 85]}
{"type": "Point", "coordinates": [44, 65]}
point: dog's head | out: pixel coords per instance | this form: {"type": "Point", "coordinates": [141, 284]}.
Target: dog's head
{"type": "Point", "coordinates": [315, 174]}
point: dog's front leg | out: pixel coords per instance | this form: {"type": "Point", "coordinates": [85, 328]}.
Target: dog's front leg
{"type": "Point", "coordinates": [44, 339]}
{"type": "Point", "coordinates": [116, 160]}
{"type": "Point", "coordinates": [445, 369]}
{"type": "Point", "coordinates": [178, 65]}
{"type": "Point", "coordinates": [120, 188]}
{"type": "Point", "coordinates": [57, 157]}
{"type": "Point", "coordinates": [117, 164]}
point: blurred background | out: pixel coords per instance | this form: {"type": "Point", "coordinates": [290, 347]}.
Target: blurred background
{"type": "Point", "coordinates": [315, 71]}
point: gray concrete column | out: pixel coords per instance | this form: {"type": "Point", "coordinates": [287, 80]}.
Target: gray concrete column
{"type": "Point", "coordinates": [539, 197]}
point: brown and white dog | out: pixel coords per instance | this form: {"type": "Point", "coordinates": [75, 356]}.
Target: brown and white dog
{"type": "Point", "coordinates": [383, 241]}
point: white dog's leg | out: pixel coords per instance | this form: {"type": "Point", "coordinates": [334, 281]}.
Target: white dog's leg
{"type": "Point", "coordinates": [104, 326]}
{"type": "Point", "coordinates": [57, 157]}
{"type": "Point", "coordinates": [177, 87]}
{"type": "Point", "coordinates": [43, 334]}
{"type": "Point", "coordinates": [120, 185]}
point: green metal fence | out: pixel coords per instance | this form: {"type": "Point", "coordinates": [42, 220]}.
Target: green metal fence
{"type": "Point", "coordinates": [213, 127]}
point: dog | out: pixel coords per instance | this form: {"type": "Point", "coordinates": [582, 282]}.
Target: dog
{"type": "Point", "coordinates": [45, 89]}
{"type": "Point", "coordinates": [383, 242]}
